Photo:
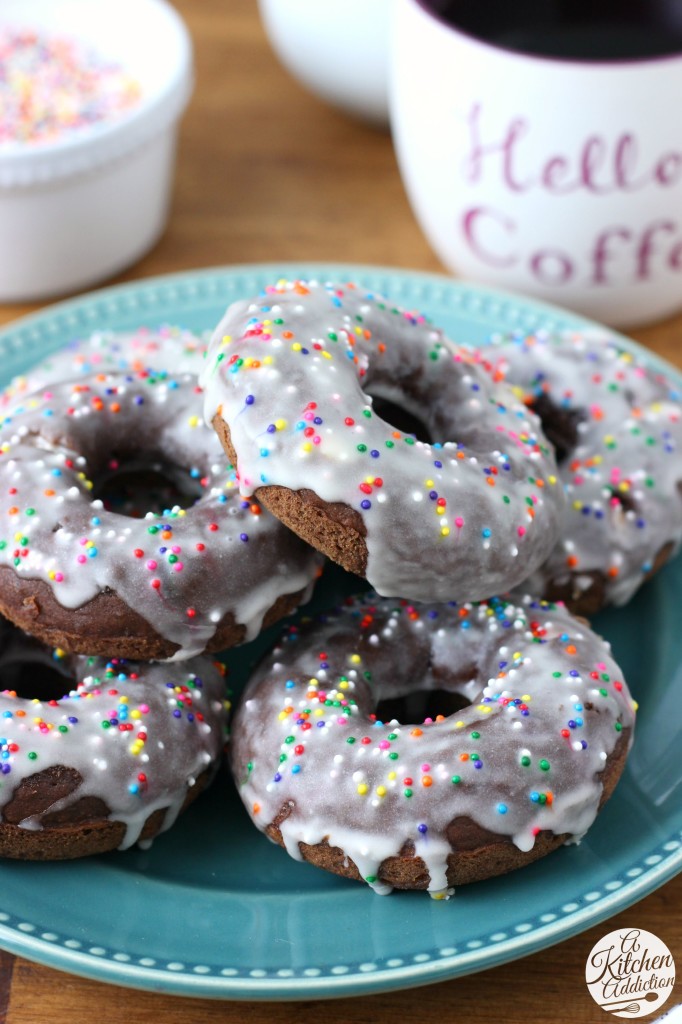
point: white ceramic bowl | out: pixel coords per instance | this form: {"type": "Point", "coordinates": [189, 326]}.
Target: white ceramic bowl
{"type": "Point", "coordinates": [338, 49]}
{"type": "Point", "coordinates": [78, 209]}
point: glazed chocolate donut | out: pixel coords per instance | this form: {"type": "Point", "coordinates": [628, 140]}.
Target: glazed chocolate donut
{"type": "Point", "coordinates": [617, 426]}
{"type": "Point", "coordinates": [152, 349]}
{"type": "Point", "coordinates": [293, 382]}
{"type": "Point", "coordinates": [96, 755]}
{"type": "Point", "coordinates": [205, 572]}
{"type": "Point", "coordinates": [519, 771]}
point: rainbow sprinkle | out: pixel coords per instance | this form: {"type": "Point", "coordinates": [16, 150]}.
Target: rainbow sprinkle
{"type": "Point", "coordinates": [51, 86]}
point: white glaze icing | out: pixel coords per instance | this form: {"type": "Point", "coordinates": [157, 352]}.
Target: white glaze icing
{"type": "Point", "coordinates": [166, 347]}
{"type": "Point", "coordinates": [294, 372]}
{"type": "Point", "coordinates": [184, 569]}
{"type": "Point", "coordinates": [622, 474]}
{"type": "Point", "coordinates": [139, 735]}
{"type": "Point", "coordinates": [547, 706]}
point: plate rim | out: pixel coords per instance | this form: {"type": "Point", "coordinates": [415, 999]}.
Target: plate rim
{"type": "Point", "coordinates": [300, 269]}
{"type": "Point", "coordinates": [301, 986]}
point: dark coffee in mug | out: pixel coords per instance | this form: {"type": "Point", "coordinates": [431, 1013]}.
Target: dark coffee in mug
{"type": "Point", "coordinates": [583, 30]}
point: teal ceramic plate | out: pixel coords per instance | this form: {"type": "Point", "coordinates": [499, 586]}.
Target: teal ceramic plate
{"type": "Point", "coordinates": [213, 909]}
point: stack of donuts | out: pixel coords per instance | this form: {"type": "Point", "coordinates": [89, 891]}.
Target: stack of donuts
{"type": "Point", "coordinates": [126, 554]}
{"type": "Point", "coordinates": [451, 720]}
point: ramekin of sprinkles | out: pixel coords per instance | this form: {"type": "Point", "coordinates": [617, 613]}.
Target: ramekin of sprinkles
{"type": "Point", "coordinates": [90, 98]}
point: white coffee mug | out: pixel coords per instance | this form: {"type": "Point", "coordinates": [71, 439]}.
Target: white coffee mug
{"type": "Point", "coordinates": [556, 177]}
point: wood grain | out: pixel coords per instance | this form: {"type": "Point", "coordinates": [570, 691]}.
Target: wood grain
{"type": "Point", "coordinates": [266, 172]}
{"type": "Point", "coordinates": [7, 964]}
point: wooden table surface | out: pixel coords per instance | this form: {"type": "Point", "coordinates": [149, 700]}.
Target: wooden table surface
{"type": "Point", "coordinates": [266, 172]}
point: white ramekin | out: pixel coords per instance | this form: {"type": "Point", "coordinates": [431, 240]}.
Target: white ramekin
{"type": "Point", "coordinates": [338, 49]}
{"type": "Point", "coordinates": [78, 209]}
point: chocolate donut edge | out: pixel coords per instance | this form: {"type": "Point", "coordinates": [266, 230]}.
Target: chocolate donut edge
{"type": "Point", "coordinates": [474, 862]}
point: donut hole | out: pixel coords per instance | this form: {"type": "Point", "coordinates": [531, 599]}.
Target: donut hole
{"type": "Point", "coordinates": [34, 678]}
{"type": "Point", "coordinates": [133, 487]}
{"type": "Point", "coordinates": [418, 705]}
{"type": "Point", "coordinates": [561, 426]}
{"type": "Point", "coordinates": [401, 418]}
